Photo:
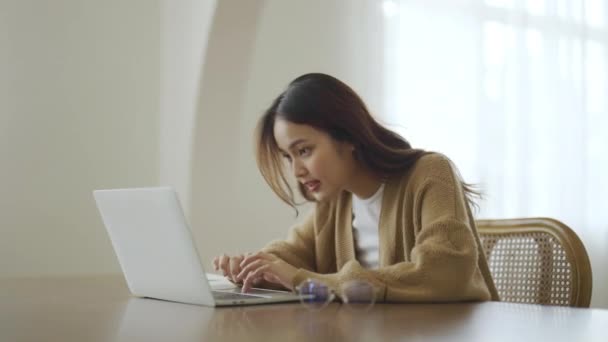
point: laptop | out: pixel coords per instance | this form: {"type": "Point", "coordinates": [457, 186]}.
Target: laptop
{"type": "Point", "coordinates": [157, 254]}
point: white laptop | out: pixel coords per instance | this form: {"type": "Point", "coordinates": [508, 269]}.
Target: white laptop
{"type": "Point", "coordinates": [157, 254]}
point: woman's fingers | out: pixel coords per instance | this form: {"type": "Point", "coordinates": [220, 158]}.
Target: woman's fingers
{"type": "Point", "coordinates": [256, 256]}
{"type": "Point", "coordinates": [250, 267]}
{"type": "Point", "coordinates": [253, 269]}
{"type": "Point", "coordinates": [224, 264]}
{"type": "Point", "coordinates": [235, 267]}
{"type": "Point", "coordinates": [258, 272]}
{"type": "Point", "coordinates": [257, 281]}
{"type": "Point", "coordinates": [216, 263]}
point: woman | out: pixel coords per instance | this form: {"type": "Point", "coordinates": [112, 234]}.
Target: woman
{"type": "Point", "coordinates": [396, 217]}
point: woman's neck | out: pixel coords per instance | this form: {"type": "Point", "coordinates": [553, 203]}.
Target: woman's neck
{"type": "Point", "coordinates": [365, 184]}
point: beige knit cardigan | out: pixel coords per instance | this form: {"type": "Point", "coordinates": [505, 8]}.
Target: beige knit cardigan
{"type": "Point", "coordinates": [429, 247]}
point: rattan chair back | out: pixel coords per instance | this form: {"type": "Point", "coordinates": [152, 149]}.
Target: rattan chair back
{"type": "Point", "coordinates": [537, 260]}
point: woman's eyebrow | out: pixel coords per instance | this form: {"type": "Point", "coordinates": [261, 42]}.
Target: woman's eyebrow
{"type": "Point", "coordinates": [293, 144]}
{"type": "Point", "coordinates": [296, 142]}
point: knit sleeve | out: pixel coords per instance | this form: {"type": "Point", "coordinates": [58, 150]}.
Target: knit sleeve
{"type": "Point", "coordinates": [298, 249]}
{"type": "Point", "coordinates": [443, 263]}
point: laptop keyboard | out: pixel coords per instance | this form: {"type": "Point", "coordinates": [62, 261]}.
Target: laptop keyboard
{"type": "Point", "coordinates": [233, 296]}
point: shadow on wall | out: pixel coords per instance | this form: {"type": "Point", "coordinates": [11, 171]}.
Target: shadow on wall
{"type": "Point", "coordinates": [230, 48]}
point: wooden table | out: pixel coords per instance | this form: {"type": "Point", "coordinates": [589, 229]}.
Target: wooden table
{"type": "Point", "coordinates": [101, 309]}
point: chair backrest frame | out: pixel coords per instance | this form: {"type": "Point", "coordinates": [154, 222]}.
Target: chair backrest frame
{"type": "Point", "coordinates": [581, 276]}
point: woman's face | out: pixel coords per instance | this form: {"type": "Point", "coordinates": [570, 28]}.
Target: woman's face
{"type": "Point", "coordinates": [323, 165]}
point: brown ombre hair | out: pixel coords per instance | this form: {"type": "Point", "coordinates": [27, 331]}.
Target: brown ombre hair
{"type": "Point", "coordinates": [329, 105]}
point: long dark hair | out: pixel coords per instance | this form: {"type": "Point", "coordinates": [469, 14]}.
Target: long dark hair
{"type": "Point", "coordinates": [329, 105]}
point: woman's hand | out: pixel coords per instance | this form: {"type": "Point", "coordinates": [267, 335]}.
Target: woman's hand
{"type": "Point", "coordinates": [265, 266]}
{"type": "Point", "coordinates": [228, 265]}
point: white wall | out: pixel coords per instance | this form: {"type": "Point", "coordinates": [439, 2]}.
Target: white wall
{"type": "Point", "coordinates": [78, 111]}
{"type": "Point", "coordinates": [184, 33]}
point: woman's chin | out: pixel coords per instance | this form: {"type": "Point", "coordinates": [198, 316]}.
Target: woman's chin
{"type": "Point", "coordinates": [322, 195]}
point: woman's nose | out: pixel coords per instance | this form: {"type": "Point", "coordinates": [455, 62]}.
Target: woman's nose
{"type": "Point", "coordinates": [299, 169]}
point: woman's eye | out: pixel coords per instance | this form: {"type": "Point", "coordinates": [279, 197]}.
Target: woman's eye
{"type": "Point", "coordinates": [304, 151]}
{"type": "Point", "coordinates": [287, 157]}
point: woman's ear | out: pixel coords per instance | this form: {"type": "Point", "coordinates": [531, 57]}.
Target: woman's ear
{"type": "Point", "coordinates": [346, 147]}
{"type": "Point", "coordinates": [351, 148]}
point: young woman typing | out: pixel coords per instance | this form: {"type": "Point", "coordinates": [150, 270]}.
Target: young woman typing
{"type": "Point", "coordinates": [396, 217]}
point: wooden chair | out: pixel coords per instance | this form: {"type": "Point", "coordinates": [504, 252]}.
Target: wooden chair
{"type": "Point", "coordinates": [537, 261]}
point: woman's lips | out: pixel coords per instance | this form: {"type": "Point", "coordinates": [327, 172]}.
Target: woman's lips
{"type": "Point", "coordinates": [313, 186]}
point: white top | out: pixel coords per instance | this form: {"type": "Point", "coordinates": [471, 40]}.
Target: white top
{"type": "Point", "coordinates": [366, 217]}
